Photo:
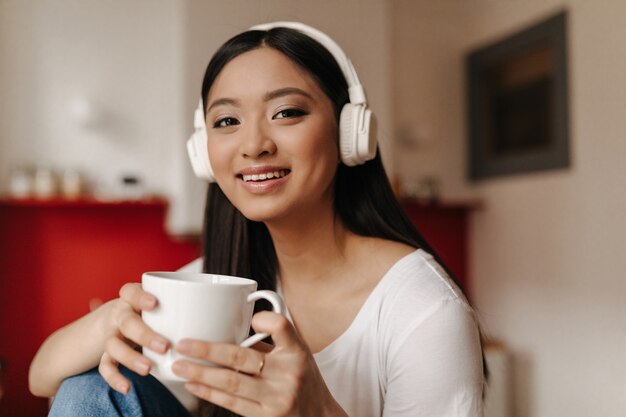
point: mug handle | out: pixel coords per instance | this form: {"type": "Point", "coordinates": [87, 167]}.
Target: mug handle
{"type": "Point", "coordinates": [277, 307]}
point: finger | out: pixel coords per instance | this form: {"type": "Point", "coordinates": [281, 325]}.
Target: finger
{"type": "Point", "coordinates": [132, 327]}
{"type": "Point", "coordinates": [238, 405]}
{"type": "Point", "coordinates": [136, 297]}
{"type": "Point", "coordinates": [262, 347]}
{"type": "Point", "coordinates": [235, 357]}
{"type": "Point", "coordinates": [120, 352]}
{"type": "Point", "coordinates": [112, 375]}
{"type": "Point", "coordinates": [282, 331]}
{"type": "Point", "coordinates": [222, 379]}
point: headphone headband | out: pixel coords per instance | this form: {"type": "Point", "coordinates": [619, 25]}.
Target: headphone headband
{"type": "Point", "coordinates": [355, 89]}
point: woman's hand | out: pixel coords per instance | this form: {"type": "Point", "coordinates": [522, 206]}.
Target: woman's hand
{"type": "Point", "coordinates": [124, 332]}
{"type": "Point", "coordinates": [282, 382]}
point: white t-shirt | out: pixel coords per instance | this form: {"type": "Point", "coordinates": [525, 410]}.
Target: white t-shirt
{"type": "Point", "coordinates": [412, 350]}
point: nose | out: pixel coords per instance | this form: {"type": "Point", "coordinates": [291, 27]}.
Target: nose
{"type": "Point", "coordinates": [257, 141]}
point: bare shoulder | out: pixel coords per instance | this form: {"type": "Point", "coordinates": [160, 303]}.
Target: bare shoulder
{"type": "Point", "coordinates": [389, 251]}
{"type": "Point", "coordinates": [379, 255]}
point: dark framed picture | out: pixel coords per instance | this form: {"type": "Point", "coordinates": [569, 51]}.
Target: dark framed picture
{"type": "Point", "coordinates": [517, 92]}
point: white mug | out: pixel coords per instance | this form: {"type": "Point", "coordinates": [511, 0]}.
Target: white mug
{"type": "Point", "coordinates": [214, 308]}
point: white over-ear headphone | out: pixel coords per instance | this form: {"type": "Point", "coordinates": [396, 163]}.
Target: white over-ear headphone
{"type": "Point", "coordinates": [357, 124]}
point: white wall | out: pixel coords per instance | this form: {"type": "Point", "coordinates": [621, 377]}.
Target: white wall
{"type": "Point", "coordinates": [427, 87]}
{"type": "Point", "coordinates": [547, 265]}
{"type": "Point", "coordinates": [139, 64]}
{"type": "Point", "coordinates": [124, 60]}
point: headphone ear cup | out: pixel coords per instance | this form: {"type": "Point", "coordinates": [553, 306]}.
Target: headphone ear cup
{"type": "Point", "coordinates": [199, 155]}
{"type": "Point", "coordinates": [367, 137]}
{"type": "Point", "coordinates": [357, 141]}
{"type": "Point", "coordinates": [347, 134]}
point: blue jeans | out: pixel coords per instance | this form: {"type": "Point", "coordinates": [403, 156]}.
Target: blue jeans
{"type": "Point", "coordinates": [88, 395]}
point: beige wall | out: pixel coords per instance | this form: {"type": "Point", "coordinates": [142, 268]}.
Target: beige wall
{"type": "Point", "coordinates": [548, 273]}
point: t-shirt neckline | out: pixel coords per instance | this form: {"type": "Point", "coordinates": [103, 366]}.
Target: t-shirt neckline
{"type": "Point", "coordinates": [329, 351]}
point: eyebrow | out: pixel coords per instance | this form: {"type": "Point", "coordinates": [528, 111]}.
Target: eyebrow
{"type": "Point", "coordinates": [281, 92]}
{"type": "Point", "coordinates": [271, 95]}
{"type": "Point", "coordinates": [222, 102]}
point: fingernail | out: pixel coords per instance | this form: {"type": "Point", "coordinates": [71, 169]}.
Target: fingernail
{"type": "Point", "coordinates": [141, 367]}
{"type": "Point", "coordinates": [122, 387]}
{"type": "Point", "coordinates": [158, 345]}
{"type": "Point", "coordinates": [148, 301]}
{"type": "Point", "coordinates": [184, 346]}
{"type": "Point", "coordinates": [179, 367]}
{"type": "Point", "coordinates": [191, 387]}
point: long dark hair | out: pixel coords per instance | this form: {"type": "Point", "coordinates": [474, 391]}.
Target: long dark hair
{"type": "Point", "coordinates": [363, 198]}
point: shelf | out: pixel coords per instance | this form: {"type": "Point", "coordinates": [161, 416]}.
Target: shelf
{"type": "Point", "coordinates": [83, 202]}
{"type": "Point", "coordinates": [473, 204]}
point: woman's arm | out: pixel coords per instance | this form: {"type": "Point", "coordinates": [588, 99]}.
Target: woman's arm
{"type": "Point", "coordinates": [102, 338]}
{"type": "Point", "coordinates": [71, 350]}
{"type": "Point", "coordinates": [436, 369]}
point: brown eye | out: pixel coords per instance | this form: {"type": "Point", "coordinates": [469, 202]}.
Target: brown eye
{"type": "Point", "coordinates": [225, 122]}
{"type": "Point", "coordinates": [289, 113]}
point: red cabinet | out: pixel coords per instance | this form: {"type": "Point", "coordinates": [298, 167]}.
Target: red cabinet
{"type": "Point", "coordinates": [445, 227]}
{"type": "Point", "coordinates": [58, 256]}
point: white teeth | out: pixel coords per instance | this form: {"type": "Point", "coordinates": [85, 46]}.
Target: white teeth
{"type": "Point", "coordinates": [264, 176]}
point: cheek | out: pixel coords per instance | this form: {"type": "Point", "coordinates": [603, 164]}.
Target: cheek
{"type": "Point", "coordinates": [317, 153]}
{"type": "Point", "coordinates": [318, 156]}
{"type": "Point", "coordinates": [219, 156]}
{"type": "Point", "coordinates": [327, 148]}
{"type": "Point", "coordinates": [317, 144]}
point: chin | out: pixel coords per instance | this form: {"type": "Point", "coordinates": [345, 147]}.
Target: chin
{"type": "Point", "coordinates": [258, 213]}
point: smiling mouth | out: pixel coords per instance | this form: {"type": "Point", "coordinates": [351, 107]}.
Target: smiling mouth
{"type": "Point", "coordinates": [270, 175]}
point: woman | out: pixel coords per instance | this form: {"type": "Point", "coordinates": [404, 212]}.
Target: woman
{"type": "Point", "coordinates": [376, 326]}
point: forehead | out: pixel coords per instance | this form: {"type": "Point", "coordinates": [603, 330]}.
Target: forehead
{"type": "Point", "coordinates": [259, 71]}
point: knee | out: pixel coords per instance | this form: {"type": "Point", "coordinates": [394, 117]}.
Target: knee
{"type": "Point", "coordinates": [83, 386]}
{"type": "Point", "coordinates": [89, 394]}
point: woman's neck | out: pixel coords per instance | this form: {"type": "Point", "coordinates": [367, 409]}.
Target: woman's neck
{"type": "Point", "coordinates": [308, 251]}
